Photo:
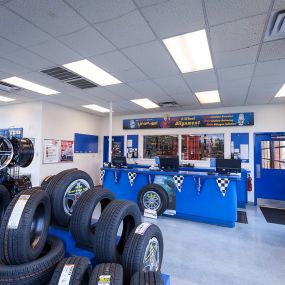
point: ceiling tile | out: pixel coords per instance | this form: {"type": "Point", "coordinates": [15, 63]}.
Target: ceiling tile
{"type": "Point", "coordinates": [261, 95]}
{"type": "Point", "coordinates": [123, 91]}
{"type": "Point", "coordinates": [201, 80]}
{"type": "Point", "coordinates": [87, 42]}
{"type": "Point", "coordinates": [10, 67]}
{"type": "Point", "coordinates": [56, 52]}
{"type": "Point", "coordinates": [237, 35]}
{"type": "Point", "coordinates": [96, 11]}
{"type": "Point", "coordinates": [147, 88]}
{"type": "Point", "coordinates": [20, 31]}
{"type": "Point", "coordinates": [236, 73]}
{"type": "Point", "coordinates": [222, 11]}
{"type": "Point", "coordinates": [53, 17]}
{"type": "Point", "coordinates": [186, 99]}
{"type": "Point", "coordinates": [101, 93]}
{"type": "Point", "coordinates": [130, 75]}
{"type": "Point", "coordinates": [7, 47]}
{"type": "Point", "coordinates": [272, 50]}
{"type": "Point", "coordinates": [233, 96]}
{"type": "Point", "coordinates": [4, 75]}
{"type": "Point", "coordinates": [173, 85]}
{"type": "Point", "coordinates": [153, 59]}
{"type": "Point", "coordinates": [279, 5]}
{"type": "Point", "coordinates": [145, 3]}
{"type": "Point", "coordinates": [175, 17]}
{"type": "Point", "coordinates": [273, 67]}
{"type": "Point", "coordinates": [130, 29]}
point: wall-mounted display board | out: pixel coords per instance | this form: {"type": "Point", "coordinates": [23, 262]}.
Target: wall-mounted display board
{"type": "Point", "coordinates": [197, 121]}
{"type": "Point", "coordinates": [15, 132]}
{"type": "Point", "coordinates": [132, 146]}
{"type": "Point", "coordinates": [66, 152]}
{"type": "Point", "coordinates": [240, 146]}
{"type": "Point", "coordinates": [85, 143]}
{"type": "Point", "coordinates": [51, 151]}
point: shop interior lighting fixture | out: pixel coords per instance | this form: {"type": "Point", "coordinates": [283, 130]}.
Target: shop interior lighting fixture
{"type": "Point", "coordinates": [92, 72]}
{"type": "Point", "coordinates": [22, 83]}
{"type": "Point", "coordinates": [207, 97]}
{"type": "Point", "coordinates": [145, 103]}
{"type": "Point", "coordinates": [190, 51]}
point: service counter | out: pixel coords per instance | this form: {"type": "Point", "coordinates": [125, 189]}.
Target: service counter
{"type": "Point", "coordinates": [193, 195]}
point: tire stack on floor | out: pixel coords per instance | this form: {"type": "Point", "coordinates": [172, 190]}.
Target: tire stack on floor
{"type": "Point", "coordinates": [27, 255]}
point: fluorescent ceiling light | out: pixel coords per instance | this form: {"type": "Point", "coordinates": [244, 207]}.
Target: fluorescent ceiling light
{"type": "Point", "coordinates": [6, 99]}
{"type": "Point", "coordinates": [92, 72]}
{"type": "Point", "coordinates": [207, 97]}
{"type": "Point", "coordinates": [30, 85]}
{"type": "Point", "coordinates": [145, 103]}
{"type": "Point", "coordinates": [190, 51]}
{"type": "Point", "coordinates": [96, 108]}
{"type": "Point", "coordinates": [281, 92]}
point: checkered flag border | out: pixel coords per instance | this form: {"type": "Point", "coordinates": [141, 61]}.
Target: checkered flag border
{"type": "Point", "coordinates": [102, 174]}
{"type": "Point", "coordinates": [132, 176]}
{"type": "Point", "coordinates": [178, 180]}
{"type": "Point", "coordinates": [223, 184]}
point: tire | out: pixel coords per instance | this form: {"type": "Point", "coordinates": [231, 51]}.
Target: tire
{"type": "Point", "coordinates": [160, 196]}
{"type": "Point", "coordinates": [4, 201]}
{"type": "Point", "coordinates": [147, 278]}
{"type": "Point", "coordinates": [23, 234]}
{"type": "Point", "coordinates": [62, 207]}
{"type": "Point", "coordinates": [76, 269]}
{"type": "Point", "coordinates": [46, 181]}
{"type": "Point", "coordinates": [82, 226]}
{"type": "Point", "coordinates": [145, 240]}
{"type": "Point", "coordinates": [114, 270]}
{"type": "Point", "coordinates": [106, 246]}
{"type": "Point", "coordinates": [36, 272]}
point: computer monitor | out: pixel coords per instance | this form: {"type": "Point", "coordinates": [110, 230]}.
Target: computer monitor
{"type": "Point", "coordinates": [168, 162]}
{"type": "Point", "coordinates": [119, 161]}
{"type": "Point", "coordinates": [228, 165]}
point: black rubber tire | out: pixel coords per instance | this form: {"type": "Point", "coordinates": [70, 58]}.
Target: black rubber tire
{"type": "Point", "coordinates": [160, 191]}
{"type": "Point", "coordinates": [80, 274]}
{"type": "Point", "coordinates": [24, 242]}
{"type": "Point", "coordinates": [5, 199]}
{"type": "Point", "coordinates": [38, 271]}
{"type": "Point", "coordinates": [60, 216]}
{"type": "Point", "coordinates": [136, 247]}
{"type": "Point", "coordinates": [115, 271]}
{"type": "Point", "coordinates": [46, 181]}
{"type": "Point", "coordinates": [105, 245]}
{"type": "Point", "coordinates": [80, 223]}
{"type": "Point", "coordinates": [147, 278]}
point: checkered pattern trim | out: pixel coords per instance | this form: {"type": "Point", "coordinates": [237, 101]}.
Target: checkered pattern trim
{"type": "Point", "coordinates": [132, 176]}
{"type": "Point", "coordinates": [223, 184]}
{"type": "Point", "coordinates": [178, 180]}
{"type": "Point", "coordinates": [102, 174]}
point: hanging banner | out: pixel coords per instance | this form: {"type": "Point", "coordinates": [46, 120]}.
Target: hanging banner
{"type": "Point", "coordinates": [132, 176]}
{"type": "Point", "coordinates": [197, 121]}
{"type": "Point", "coordinates": [223, 184]}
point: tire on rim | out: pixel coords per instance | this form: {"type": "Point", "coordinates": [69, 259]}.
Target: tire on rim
{"type": "Point", "coordinates": [46, 181]}
{"type": "Point", "coordinates": [73, 270]}
{"type": "Point", "coordinates": [24, 227]}
{"type": "Point", "coordinates": [147, 278]}
{"type": "Point", "coordinates": [143, 250]}
{"type": "Point", "coordinates": [153, 197]}
{"type": "Point", "coordinates": [86, 214]}
{"type": "Point", "coordinates": [66, 193]}
{"type": "Point", "coordinates": [35, 272]}
{"type": "Point", "coordinates": [113, 229]}
{"type": "Point", "coordinates": [4, 201]}
{"type": "Point", "coordinates": [107, 273]}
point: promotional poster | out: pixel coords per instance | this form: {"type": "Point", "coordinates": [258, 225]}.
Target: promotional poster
{"type": "Point", "coordinates": [66, 150]}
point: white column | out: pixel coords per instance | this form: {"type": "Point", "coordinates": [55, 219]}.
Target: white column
{"type": "Point", "coordinates": [110, 130]}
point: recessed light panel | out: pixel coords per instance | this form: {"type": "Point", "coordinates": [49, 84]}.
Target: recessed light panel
{"type": "Point", "coordinates": [96, 108]}
{"type": "Point", "coordinates": [145, 103]}
{"type": "Point", "coordinates": [281, 92]}
{"type": "Point", "coordinates": [207, 97]}
{"type": "Point", "coordinates": [6, 99]}
{"type": "Point", "coordinates": [30, 85]}
{"type": "Point", "coordinates": [92, 72]}
{"type": "Point", "coordinates": [190, 51]}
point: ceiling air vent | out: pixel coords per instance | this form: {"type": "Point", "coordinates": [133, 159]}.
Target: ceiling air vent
{"type": "Point", "coordinates": [69, 77]}
{"type": "Point", "coordinates": [168, 104]}
{"type": "Point", "coordinates": [8, 87]}
{"type": "Point", "coordinates": [276, 27]}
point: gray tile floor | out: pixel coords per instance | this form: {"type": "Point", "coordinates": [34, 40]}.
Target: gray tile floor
{"type": "Point", "coordinates": [197, 253]}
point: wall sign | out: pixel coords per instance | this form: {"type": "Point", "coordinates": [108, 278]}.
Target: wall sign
{"type": "Point", "coordinates": [66, 150]}
{"type": "Point", "coordinates": [240, 146]}
{"type": "Point", "coordinates": [197, 121]}
{"type": "Point", "coordinates": [85, 143]}
{"type": "Point", "coordinates": [51, 151]}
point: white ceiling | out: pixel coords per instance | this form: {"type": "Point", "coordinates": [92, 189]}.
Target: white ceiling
{"type": "Point", "coordinates": [124, 37]}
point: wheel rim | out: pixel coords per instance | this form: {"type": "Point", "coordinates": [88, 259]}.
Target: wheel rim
{"type": "Point", "coordinates": [151, 256]}
{"type": "Point", "coordinates": [38, 225]}
{"type": "Point", "coordinates": [151, 200]}
{"type": "Point", "coordinates": [73, 193]}
{"type": "Point", "coordinates": [6, 152]}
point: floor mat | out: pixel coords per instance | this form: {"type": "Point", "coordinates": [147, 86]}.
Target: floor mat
{"type": "Point", "coordinates": [273, 215]}
{"type": "Point", "coordinates": [242, 217]}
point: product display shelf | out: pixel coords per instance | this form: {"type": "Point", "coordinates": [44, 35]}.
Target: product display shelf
{"type": "Point", "coordinates": [71, 249]}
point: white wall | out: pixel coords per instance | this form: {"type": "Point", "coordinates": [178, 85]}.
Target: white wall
{"type": "Point", "coordinates": [268, 118]}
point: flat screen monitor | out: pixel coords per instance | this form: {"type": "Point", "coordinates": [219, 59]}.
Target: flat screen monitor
{"type": "Point", "coordinates": [169, 162]}
{"type": "Point", "coordinates": [119, 161]}
{"type": "Point", "coordinates": [228, 165]}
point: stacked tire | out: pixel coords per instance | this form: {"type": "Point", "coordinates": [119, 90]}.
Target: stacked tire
{"type": "Point", "coordinates": [27, 255]}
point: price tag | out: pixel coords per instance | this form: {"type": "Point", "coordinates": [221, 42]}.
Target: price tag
{"type": "Point", "coordinates": [140, 230]}
{"type": "Point", "coordinates": [66, 274]}
{"type": "Point", "coordinates": [150, 213]}
{"type": "Point", "coordinates": [104, 280]}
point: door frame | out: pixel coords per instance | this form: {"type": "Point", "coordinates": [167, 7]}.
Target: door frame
{"type": "Point", "coordinates": [106, 146]}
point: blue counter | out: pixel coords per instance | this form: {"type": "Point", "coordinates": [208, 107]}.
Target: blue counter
{"type": "Point", "coordinates": [199, 197]}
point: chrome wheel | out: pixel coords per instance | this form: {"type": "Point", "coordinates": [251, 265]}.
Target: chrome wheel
{"type": "Point", "coordinates": [6, 152]}
{"type": "Point", "coordinates": [151, 200]}
{"type": "Point", "coordinates": [73, 193]}
{"type": "Point", "coordinates": [151, 256]}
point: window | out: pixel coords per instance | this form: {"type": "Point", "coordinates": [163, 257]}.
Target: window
{"type": "Point", "coordinates": [160, 145]}
{"type": "Point", "coordinates": [273, 154]}
{"type": "Point", "coordinates": [201, 147]}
